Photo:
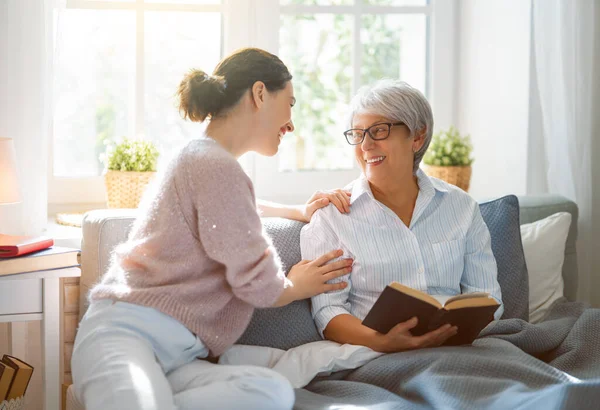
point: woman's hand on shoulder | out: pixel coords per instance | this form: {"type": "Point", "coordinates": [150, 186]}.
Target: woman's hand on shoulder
{"type": "Point", "coordinates": [399, 338]}
{"type": "Point", "coordinates": [338, 197]}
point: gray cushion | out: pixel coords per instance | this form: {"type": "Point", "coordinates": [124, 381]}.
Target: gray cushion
{"type": "Point", "coordinates": [288, 326]}
{"type": "Point", "coordinates": [292, 325]}
{"type": "Point", "coordinates": [502, 218]}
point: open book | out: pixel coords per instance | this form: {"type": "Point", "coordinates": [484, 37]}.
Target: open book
{"type": "Point", "coordinates": [470, 312]}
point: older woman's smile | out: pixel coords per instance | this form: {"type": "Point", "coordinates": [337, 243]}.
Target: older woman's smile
{"type": "Point", "coordinates": [374, 161]}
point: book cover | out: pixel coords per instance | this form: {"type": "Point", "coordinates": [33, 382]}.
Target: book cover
{"type": "Point", "coordinates": [398, 303]}
{"type": "Point", "coordinates": [54, 257]}
{"type": "Point", "coordinates": [11, 245]}
{"type": "Point", "coordinates": [7, 374]}
{"type": "Point", "coordinates": [23, 372]}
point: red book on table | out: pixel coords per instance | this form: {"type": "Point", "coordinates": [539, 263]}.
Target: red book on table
{"type": "Point", "coordinates": [11, 246]}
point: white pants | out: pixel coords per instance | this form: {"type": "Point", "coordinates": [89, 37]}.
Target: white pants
{"type": "Point", "coordinates": [130, 357]}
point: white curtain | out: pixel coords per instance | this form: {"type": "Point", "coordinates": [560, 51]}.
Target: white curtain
{"type": "Point", "coordinates": [26, 56]}
{"type": "Point", "coordinates": [564, 126]}
{"type": "Point", "coordinates": [26, 53]}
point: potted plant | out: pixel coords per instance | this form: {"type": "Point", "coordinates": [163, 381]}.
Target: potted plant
{"type": "Point", "coordinates": [130, 166]}
{"type": "Point", "coordinates": [449, 158]}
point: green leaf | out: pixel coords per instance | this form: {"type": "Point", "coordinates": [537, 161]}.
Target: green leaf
{"type": "Point", "coordinates": [132, 155]}
{"type": "Point", "coordinates": [449, 148]}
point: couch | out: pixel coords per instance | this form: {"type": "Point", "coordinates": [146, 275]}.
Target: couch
{"type": "Point", "coordinates": [291, 326]}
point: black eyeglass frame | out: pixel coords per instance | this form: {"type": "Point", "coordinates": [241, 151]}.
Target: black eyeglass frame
{"type": "Point", "coordinates": [368, 131]}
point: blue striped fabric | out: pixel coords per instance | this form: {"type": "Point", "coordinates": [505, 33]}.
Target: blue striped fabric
{"type": "Point", "coordinates": [445, 251]}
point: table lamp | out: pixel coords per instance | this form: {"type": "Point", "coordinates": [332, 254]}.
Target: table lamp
{"type": "Point", "coordinates": [10, 193]}
{"type": "Point", "coordinates": [9, 183]}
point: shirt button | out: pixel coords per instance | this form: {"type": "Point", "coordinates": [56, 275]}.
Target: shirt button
{"type": "Point", "coordinates": [421, 270]}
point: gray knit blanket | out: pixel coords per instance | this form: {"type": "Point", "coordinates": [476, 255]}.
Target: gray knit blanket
{"type": "Point", "coordinates": [512, 365]}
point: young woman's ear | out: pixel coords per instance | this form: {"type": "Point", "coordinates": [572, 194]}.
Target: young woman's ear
{"type": "Point", "coordinates": [258, 93]}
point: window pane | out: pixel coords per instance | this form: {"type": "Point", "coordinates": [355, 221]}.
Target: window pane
{"type": "Point", "coordinates": [397, 2]}
{"type": "Point", "coordinates": [175, 42]}
{"type": "Point", "coordinates": [318, 51]}
{"type": "Point", "coordinates": [94, 85]}
{"type": "Point", "coordinates": [317, 2]}
{"type": "Point", "coordinates": [394, 46]}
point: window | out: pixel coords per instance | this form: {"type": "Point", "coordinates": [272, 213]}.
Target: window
{"type": "Point", "coordinates": [332, 51]}
{"type": "Point", "coordinates": [118, 64]}
{"type": "Point", "coordinates": [333, 47]}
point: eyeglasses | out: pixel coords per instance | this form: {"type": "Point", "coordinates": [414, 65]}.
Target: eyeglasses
{"type": "Point", "coordinates": [377, 132]}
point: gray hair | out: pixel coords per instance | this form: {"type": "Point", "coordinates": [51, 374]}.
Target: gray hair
{"type": "Point", "coordinates": [397, 101]}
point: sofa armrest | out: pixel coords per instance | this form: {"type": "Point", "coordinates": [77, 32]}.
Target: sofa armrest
{"type": "Point", "coordinates": [102, 231]}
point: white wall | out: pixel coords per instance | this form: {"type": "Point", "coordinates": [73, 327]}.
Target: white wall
{"type": "Point", "coordinates": [493, 91]}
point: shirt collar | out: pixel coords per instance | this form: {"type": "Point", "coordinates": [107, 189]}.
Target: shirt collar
{"type": "Point", "coordinates": [427, 186]}
{"type": "Point", "coordinates": [427, 190]}
{"type": "Point", "coordinates": [360, 187]}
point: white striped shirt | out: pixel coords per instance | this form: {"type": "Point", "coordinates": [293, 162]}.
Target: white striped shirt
{"type": "Point", "coordinates": [446, 250]}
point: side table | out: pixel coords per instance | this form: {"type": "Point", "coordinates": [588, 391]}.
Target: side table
{"type": "Point", "coordinates": [36, 296]}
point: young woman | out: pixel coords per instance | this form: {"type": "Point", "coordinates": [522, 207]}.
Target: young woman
{"type": "Point", "coordinates": [196, 263]}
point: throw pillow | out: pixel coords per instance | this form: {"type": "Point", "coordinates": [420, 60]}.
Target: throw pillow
{"type": "Point", "coordinates": [502, 218]}
{"type": "Point", "coordinates": [544, 246]}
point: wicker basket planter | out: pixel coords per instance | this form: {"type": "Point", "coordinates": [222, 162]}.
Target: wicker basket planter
{"type": "Point", "coordinates": [457, 175]}
{"type": "Point", "coordinates": [124, 189]}
{"type": "Point", "coordinates": [13, 404]}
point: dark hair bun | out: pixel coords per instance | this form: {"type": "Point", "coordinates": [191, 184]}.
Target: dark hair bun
{"type": "Point", "coordinates": [201, 95]}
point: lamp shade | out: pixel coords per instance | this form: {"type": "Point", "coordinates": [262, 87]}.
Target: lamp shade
{"type": "Point", "coordinates": [9, 183]}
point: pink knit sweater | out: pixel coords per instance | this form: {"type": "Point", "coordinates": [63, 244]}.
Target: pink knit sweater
{"type": "Point", "coordinates": [197, 250]}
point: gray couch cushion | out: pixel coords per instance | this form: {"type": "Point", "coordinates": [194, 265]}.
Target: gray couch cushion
{"type": "Point", "coordinates": [502, 218]}
{"type": "Point", "coordinates": [288, 326]}
{"type": "Point", "coordinates": [292, 325]}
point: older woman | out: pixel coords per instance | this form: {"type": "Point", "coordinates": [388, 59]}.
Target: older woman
{"type": "Point", "coordinates": [403, 226]}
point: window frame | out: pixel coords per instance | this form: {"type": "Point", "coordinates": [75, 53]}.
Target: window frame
{"type": "Point", "coordinates": [256, 23]}
{"type": "Point", "coordinates": [91, 190]}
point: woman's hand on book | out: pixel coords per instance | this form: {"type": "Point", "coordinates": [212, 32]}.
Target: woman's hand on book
{"type": "Point", "coordinates": [399, 338]}
{"type": "Point", "coordinates": [309, 278]}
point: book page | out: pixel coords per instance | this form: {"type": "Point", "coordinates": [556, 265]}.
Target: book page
{"type": "Point", "coordinates": [416, 294]}
{"type": "Point", "coordinates": [443, 299]}
{"type": "Point", "coordinates": [466, 296]}
{"type": "Point", "coordinates": [471, 302]}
